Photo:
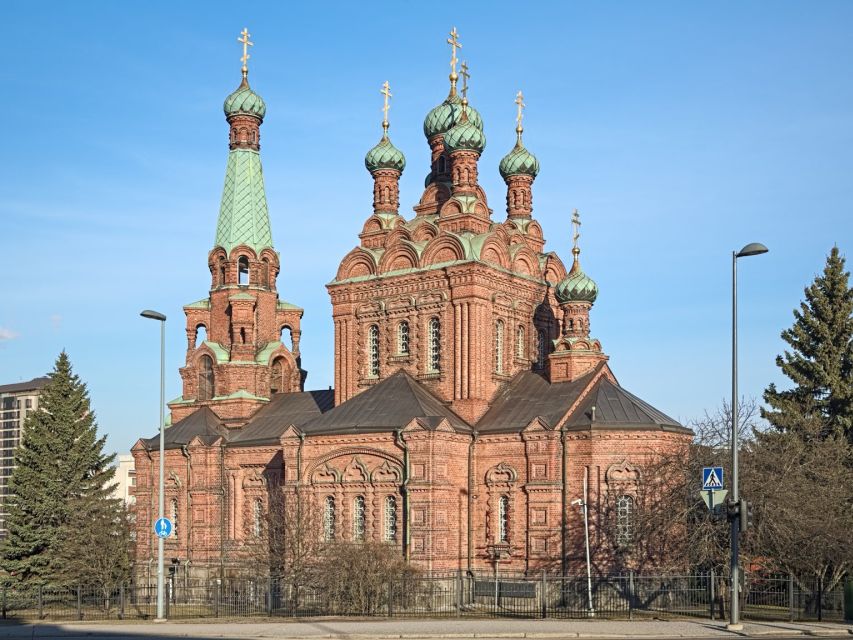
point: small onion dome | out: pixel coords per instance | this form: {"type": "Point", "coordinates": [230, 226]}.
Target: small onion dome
{"type": "Point", "coordinates": [465, 136]}
{"type": "Point", "coordinates": [576, 286]}
{"type": "Point", "coordinates": [385, 156]}
{"type": "Point", "coordinates": [244, 101]}
{"type": "Point", "coordinates": [519, 161]}
{"type": "Point", "coordinates": [447, 115]}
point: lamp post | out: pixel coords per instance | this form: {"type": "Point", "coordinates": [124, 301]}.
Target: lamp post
{"type": "Point", "coordinates": [752, 249]}
{"type": "Point", "coordinates": [155, 315]}
{"type": "Point", "coordinates": [583, 503]}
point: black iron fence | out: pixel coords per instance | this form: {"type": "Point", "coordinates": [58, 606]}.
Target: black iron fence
{"type": "Point", "coordinates": [772, 597]}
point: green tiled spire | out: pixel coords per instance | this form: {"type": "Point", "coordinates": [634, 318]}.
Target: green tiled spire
{"type": "Point", "coordinates": [243, 214]}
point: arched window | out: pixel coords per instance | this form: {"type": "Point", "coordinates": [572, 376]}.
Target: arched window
{"type": "Point", "coordinates": [503, 519]}
{"type": "Point", "coordinates": [499, 346]}
{"type": "Point", "coordinates": [329, 519]}
{"type": "Point", "coordinates": [173, 513]}
{"type": "Point", "coordinates": [205, 378]}
{"type": "Point", "coordinates": [358, 519]}
{"type": "Point", "coordinates": [221, 272]}
{"type": "Point", "coordinates": [276, 376]}
{"type": "Point", "coordinates": [434, 355]}
{"type": "Point", "coordinates": [265, 272]}
{"type": "Point", "coordinates": [624, 520]}
{"type": "Point", "coordinates": [200, 335]}
{"type": "Point", "coordinates": [519, 343]}
{"type": "Point", "coordinates": [403, 338]}
{"type": "Point", "coordinates": [243, 271]}
{"type": "Point", "coordinates": [540, 349]}
{"type": "Point", "coordinates": [373, 351]}
{"type": "Point", "coordinates": [257, 516]}
{"type": "Point", "coordinates": [442, 164]}
{"type": "Point", "coordinates": [390, 532]}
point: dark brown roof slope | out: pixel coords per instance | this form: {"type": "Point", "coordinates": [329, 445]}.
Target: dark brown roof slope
{"type": "Point", "coordinates": [285, 409]}
{"type": "Point", "coordinates": [390, 404]}
{"type": "Point", "coordinates": [527, 396]}
{"type": "Point", "coordinates": [32, 385]}
{"type": "Point", "coordinates": [202, 423]}
{"type": "Point", "coordinates": [616, 408]}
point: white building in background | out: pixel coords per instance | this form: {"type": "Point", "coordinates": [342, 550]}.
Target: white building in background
{"type": "Point", "coordinates": [125, 479]}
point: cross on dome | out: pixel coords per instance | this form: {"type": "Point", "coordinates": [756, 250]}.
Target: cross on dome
{"type": "Point", "coordinates": [465, 75]}
{"type": "Point", "coordinates": [519, 101]}
{"type": "Point", "coordinates": [454, 43]}
{"type": "Point", "coordinates": [244, 40]}
{"type": "Point", "coordinates": [386, 92]}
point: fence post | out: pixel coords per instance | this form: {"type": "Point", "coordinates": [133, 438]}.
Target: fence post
{"type": "Point", "coordinates": [631, 595]}
{"type": "Point", "coordinates": [390, 598]}
{"type": "Point", "coordinates": [711, 594]}
{"type": "Point", "coordinates": [790, 597]}
{"type": "Point", "coordinates": [216, 595]}
{"type": "Point", "coordinates": [79, 602]}
{"type": "Point", "coordinates": [269, 596]}
{"type": "Point", "coordinates": [41, 602]}
{"type": "Point", "coordinates": [4, 601]}
{"type": "Point", "coordinates": [544, 593]}
{"type": "Point", "coordinates": [820, 599]}
{"type": "Point", "coordinates": [459, 600]}
{"type": "Point", "coordinates": [121, 601]}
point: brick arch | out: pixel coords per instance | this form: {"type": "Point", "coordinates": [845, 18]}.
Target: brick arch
{"type": "Point", "coordinates": [425, 231]}
{"type": "Point", "coordinates": [534, 230]}
{"type": "Point", "coordinates": [399, 234]}
{"type": "Point", "coordinates": [357, 262]}
{"type": "Point", "coordinates": [444, 248]}
{"type": "Point", "coordinates": [524, 261]}
{"type": "Point", "coordinates": [495, 251]}
{"type": "Point", "coordinates": [350, 451]}
{"type": "Point", "coordinates": [243, 250]}
{"type": "Point", "coordinates": [372, 224]}
{"type": "Point", "coordinates": [400, 256]}
{"type": "Point", "coordinates": [554, 269]}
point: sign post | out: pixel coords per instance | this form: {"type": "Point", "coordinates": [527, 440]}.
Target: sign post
{"type": "Point", "coordinates": [163, 528]}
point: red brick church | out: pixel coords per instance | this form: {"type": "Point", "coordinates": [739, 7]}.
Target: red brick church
{"type": "Point", "coordinates": [471, 403]}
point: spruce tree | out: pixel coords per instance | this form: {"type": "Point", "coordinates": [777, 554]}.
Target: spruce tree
{"type": "Point", "coordinates": [61, 473]}
{"type": "Point", "coordinates": [820, 363]}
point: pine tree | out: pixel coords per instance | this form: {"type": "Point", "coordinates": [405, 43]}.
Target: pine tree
{"type": "Point", "coordinates": [820, 363]}
{"type": "Point", "coordinates": [61, 473]}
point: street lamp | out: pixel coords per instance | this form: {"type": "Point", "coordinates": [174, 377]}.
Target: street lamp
{"type": "Point", "coordinates": [583, 503]}
{"type": "Point", "coordinates": [155, 315]}
{"type": "Point", "coordinates": [752, 249]}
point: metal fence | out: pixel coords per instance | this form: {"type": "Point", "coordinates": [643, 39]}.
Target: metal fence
{"type": "Point", "coordinates": [764, 597]}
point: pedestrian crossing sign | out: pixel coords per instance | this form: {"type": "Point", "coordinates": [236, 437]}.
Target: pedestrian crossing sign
{"type": "Point", "coordinates": [712, 478]}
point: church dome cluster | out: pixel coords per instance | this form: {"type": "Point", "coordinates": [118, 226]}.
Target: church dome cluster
{"type": "Point", "coordinates": [447, 115]}
{"type": "Point", "coordinates": [465, 136]}
{"type": "Point", "coordinates": [244, 101]}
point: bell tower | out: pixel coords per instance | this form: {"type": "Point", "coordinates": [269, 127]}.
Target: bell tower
{"type": "Point", "coordinates": [236, 357]}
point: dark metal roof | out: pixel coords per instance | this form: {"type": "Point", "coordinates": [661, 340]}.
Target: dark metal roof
{"type": "Point", "coordinates": [31, 385]}
{"type": "Point", "coordinates": [390, 404]}
{"type": "Point", "coordinates": [616, 408]}
{"type": "Point", "coordinates": [528, 396]}
{"type": "Point", "coordinates": [285, 409]}
{"type": "Point", "coordinates": [202, 423]}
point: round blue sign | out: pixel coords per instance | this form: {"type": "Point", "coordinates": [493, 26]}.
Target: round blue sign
{"type": "Point", "coordinates": [163, 528]}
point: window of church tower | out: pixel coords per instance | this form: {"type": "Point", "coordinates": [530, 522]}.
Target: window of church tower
{"type": "Point", "coordinates": [403, 338]}
{"type": "Point", "coordinates": [373, 351]}
{"type": "Point", "coordinates": [540, 349]}
{"type": "Point", "coordinates": [442, 164]}
{"type": "Point", "coordinates": [434, 356]}
{"type": "Point", "coordinates": [265, 273]}
{"type": "Point", "coordinates": [276, 377]}
{"type": "Point", "coordinates": [257, 515]}
{"type": "Point", "coordinates": [200, 335]}
{"type": "Point", "coordinates": [205, 378]}
{"type": "Point", "coordinates": [243, 271]}
{"type": "Point", "coordinates": [503, 519]}
{"type": "Point", "coordinates": [519, 343]}
{"type": "Point", "coordinates": [329, 519]}
{"type": "Point", "coordinates": [499, 346]}
{"type": "Point", "coordinates": [390, 533]}
{"type": "Point", "coordinates": [624, 520]}
{"type": "Point", "coordinates": [174, 516]}
{"type": "Point", "coordinates": [358, 519]}
{"type": "Point", "coordinates": [221, 272]}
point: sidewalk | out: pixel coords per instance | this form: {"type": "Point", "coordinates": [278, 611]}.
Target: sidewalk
{"type": "Point", "coordinates": [428, 629]}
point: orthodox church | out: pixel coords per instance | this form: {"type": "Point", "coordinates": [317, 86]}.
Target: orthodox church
{"type": "Point", "coordinates": [471, 410]}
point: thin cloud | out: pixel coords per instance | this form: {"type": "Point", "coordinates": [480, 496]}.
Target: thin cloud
{"type": "Point", "coordinates": [7, 334]}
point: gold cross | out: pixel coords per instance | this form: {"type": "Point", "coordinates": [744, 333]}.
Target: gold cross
{"type": "Point", "coordinates": [465, 75]}
{"type": "Point", "coordinates": [246, 44]}
{"type": "Point", "coordinates": [454, 43]}
{"type": "Point", "coordinates": [576, 228]}
{"type": "Point", "coordinates": [519, 100]}
{"type": "Point", "coordinates": [385, 91]}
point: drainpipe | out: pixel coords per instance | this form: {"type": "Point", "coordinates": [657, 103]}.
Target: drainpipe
{"type": "Point", "coordinates": [186, 453]}
{"type": "Point", "coordinates": [402, 444]}
{"type": "Point", "coordinates": [222, 514]}
{"type": "Point", "coordinates": [471, 501]}
{"type": "Point", "coordinates": [563, 501]}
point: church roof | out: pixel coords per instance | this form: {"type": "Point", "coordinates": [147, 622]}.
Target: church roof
{"type": "Point", "coordinates": [616, 408]}
{"type": "Point", "coordinates": [284, 409]}
{"type": "Point", "coordinates": [389, 405]}
{"type": "Point", "coordinates": [202, 423]}
{"type": "Point", "coordinates": [243, 214]}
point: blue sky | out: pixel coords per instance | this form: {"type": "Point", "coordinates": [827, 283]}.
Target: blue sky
{"type": "Point", "coordinates": [680, 130]}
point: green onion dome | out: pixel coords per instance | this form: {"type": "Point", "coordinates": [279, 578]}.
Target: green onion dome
{"type": "Point", "coordinates": [244, 101]}
{"type": "Point", "coordinates": [466, 135]}
{"type": "Point", "coordinates": [445, 116]}
{"type": "Point", "coordinates": [385, 156]}
{"type": "Point", "coordinates": [576, 286]}
{"type": "Point", "coordinates": [519, 161]}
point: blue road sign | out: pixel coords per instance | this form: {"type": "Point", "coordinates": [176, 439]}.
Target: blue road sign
{"type": "Point", "coordinates": [163, 528]}
{"type": "Point", "coordinates": [712, 478]}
